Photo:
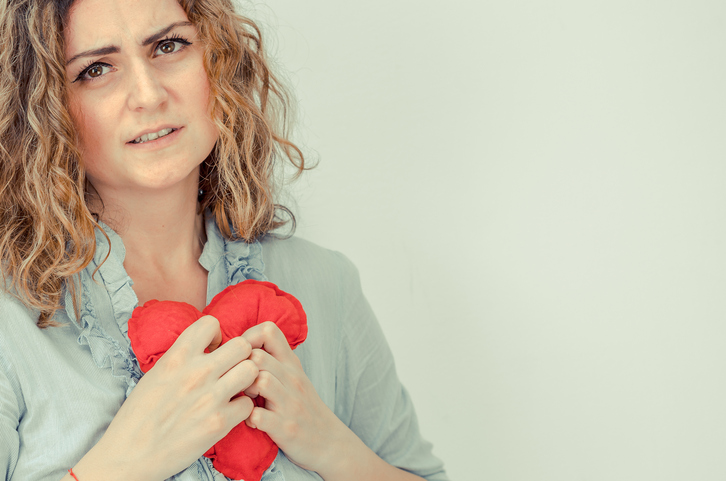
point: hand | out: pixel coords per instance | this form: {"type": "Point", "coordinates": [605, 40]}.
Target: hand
{"type": "Point", "coordinates": [294, 416]}
{"type": "Point", "coordinates": [182, 406]}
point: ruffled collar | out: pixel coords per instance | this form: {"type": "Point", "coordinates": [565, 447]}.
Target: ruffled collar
{"type": "Point", "coordinates": [241, 261]}
{"type": "Point", "coordinates": [107, 352]}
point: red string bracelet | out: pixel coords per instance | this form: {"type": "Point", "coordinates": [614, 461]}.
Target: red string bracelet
{"type": "Point", "coordinates": [72, 475]}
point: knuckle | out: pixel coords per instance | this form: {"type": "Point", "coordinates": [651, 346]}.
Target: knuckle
{"type": "Point", "coordinates": [204, 371]}
{"type": "Point", "coordinates": [251, 368]}
{"type": "Point", "coordinates": [255, 416]}
{"type": "Point", "coordinates": [190, 383]}
{"type": "Point", "coordinates": [174, 360]}
{"type": "Point", "coordinates": [204, 401]}
{"type": "Point", "coordinates": [241, 344]}
{"type": "Point", "coordinates": [269, 328]}
{"type": "Point", "coordinates": [208, 323]}
{"type": "Point", "coordinates": [264, 380]}
{"type": "Point", "coordinates": [198, 377]}
{"type": "Point", "coordinates": [217, 422]}
{"type": "Point", "coordinates": [209, 320]}
{"type": "Point", "coordinates": [252, 390]}
{"type": "Point", "coordinates": [257, 356]}
{"type": "Point", "coordinates": [201, 327]}
{"type": "Point", "coordinates": [202, 407]}
{"type": "Point", "coordinates": [247, 405]}
{"type": "Point", "coordinates": [180, 347]}
{"type": "Point", "coordinates": [297, 385]}
{"type": "Point", "coordinates": [290, 429]}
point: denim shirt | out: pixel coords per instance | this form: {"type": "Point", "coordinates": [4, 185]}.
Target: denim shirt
{"type": "Point", "coordinates": [61, 387]}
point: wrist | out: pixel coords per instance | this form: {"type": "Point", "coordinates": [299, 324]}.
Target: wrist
{"type": "Point", "coordinates": [346, 454]}
{"type": "Point", "coordinates": [107, 464]}
{"type": "Point", "coordinates": [349, 459]}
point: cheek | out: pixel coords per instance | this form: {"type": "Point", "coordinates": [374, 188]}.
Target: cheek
{"type": "Point", "coordinates": [202, 101]}
{"type": "Point", "coordinates": [90, 129]}
{"type": "Point", "coordinates": [79, 120]}
{"type": "Point", "coordinates": [201, 90]}
{"type": "Point", "coordinates": [87, 126]}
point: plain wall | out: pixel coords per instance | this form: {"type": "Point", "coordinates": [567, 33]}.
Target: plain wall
{"type": "Point", "coordinates": [534, 193]}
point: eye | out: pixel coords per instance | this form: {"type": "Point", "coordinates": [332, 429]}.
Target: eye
{"type": "Point", "coordinates": [171, 45]}
{"type": "Point", "coordinates": [93, 71]}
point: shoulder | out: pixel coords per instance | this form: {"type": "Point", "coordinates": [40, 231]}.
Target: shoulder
{"type": "Point", "coordinates": [298, 258]}
{"type": "Point", "coordinates": [324, 280]}
{"type": "Point", "coordinates": [14, 312]}
{"type": "Point", "coordinates": [20, 336]}
{"type": "Point", "coordinates": [18, 329]}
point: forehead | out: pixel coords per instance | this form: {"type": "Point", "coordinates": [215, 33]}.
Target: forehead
{"type": "Point", "coordinates": [96, 23]}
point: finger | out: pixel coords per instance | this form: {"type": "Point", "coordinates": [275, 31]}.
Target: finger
{"type": "Point", "coordinates": [230, 354]}
{"type": "Point", "coordinates": [201, 334]}
{"type": "Point", "coordinates": [269, 337]}
{"type": "Point", "coordinates": [265, 362]}
{"type": "Point", "coordinates": [217, 340]}
{"type": "Point", "coordinates": [237, 379]}
{"type": "Point", "coordinates": [262, 419]}
{"type": "Point", "coordinates": [238, 410]}
{"type": "Point", "coordinates": [269, 387]}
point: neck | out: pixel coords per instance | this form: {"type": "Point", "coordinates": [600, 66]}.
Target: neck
{"type": "Point", "coordinates": [161, 230]}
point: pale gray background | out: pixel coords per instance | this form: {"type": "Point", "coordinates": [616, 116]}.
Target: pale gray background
{"type": "Point", "coordinates": [534, 193]}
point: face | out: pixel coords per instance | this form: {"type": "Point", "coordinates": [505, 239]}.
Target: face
{"type": "Point", "coordinates": [135, 72]}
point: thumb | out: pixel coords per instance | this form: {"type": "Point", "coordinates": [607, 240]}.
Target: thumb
{"type": "Point", "coordinates": [204, 333]}
{"type": "Point", "coordinates": [217, 339]}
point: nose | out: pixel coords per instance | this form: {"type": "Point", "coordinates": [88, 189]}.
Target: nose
{"type": "Point", "coordinates": [146, 88]}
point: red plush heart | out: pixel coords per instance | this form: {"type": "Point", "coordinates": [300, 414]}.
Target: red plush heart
{"type": "Point", "coordinates": [245, 453]}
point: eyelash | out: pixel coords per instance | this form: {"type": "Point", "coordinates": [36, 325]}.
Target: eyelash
{"type": "Point", "coordinates": [173, 38]}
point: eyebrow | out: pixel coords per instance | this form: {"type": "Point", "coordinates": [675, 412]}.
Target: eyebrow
{"type": "Point", "coordinates": [155, 37]}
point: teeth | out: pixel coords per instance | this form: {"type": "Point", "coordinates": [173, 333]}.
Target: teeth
{"type": "Point", "coordinates": [153, 136]}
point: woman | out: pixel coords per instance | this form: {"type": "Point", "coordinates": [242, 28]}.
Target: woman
{"type": "Point", "coordinates": [138, 141]}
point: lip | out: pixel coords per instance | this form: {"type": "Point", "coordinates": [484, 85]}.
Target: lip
{"type": "Point", "coordinates": [152, 130]}
{"type": "Point", "coordinates": [157, 143]}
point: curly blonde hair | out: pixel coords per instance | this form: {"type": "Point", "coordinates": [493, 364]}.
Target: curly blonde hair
{"type": "Point", "coordinates": [47, 231]}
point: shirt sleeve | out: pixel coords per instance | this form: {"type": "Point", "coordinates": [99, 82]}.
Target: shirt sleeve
{"type": "Point", "coordinates": [369, 397]}
{"type": "Point", "coordinates": [9, 421]}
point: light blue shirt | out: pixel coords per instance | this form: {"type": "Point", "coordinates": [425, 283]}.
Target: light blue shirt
{"type": "Point", "coordinates": [60, 387]}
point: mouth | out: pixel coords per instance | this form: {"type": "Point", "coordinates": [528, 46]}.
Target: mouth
{"type": "Point", "coordinates": [152, 136]}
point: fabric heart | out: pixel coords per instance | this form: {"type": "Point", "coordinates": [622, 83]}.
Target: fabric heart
{"type": "Point", "coordinates": [245, 453]}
